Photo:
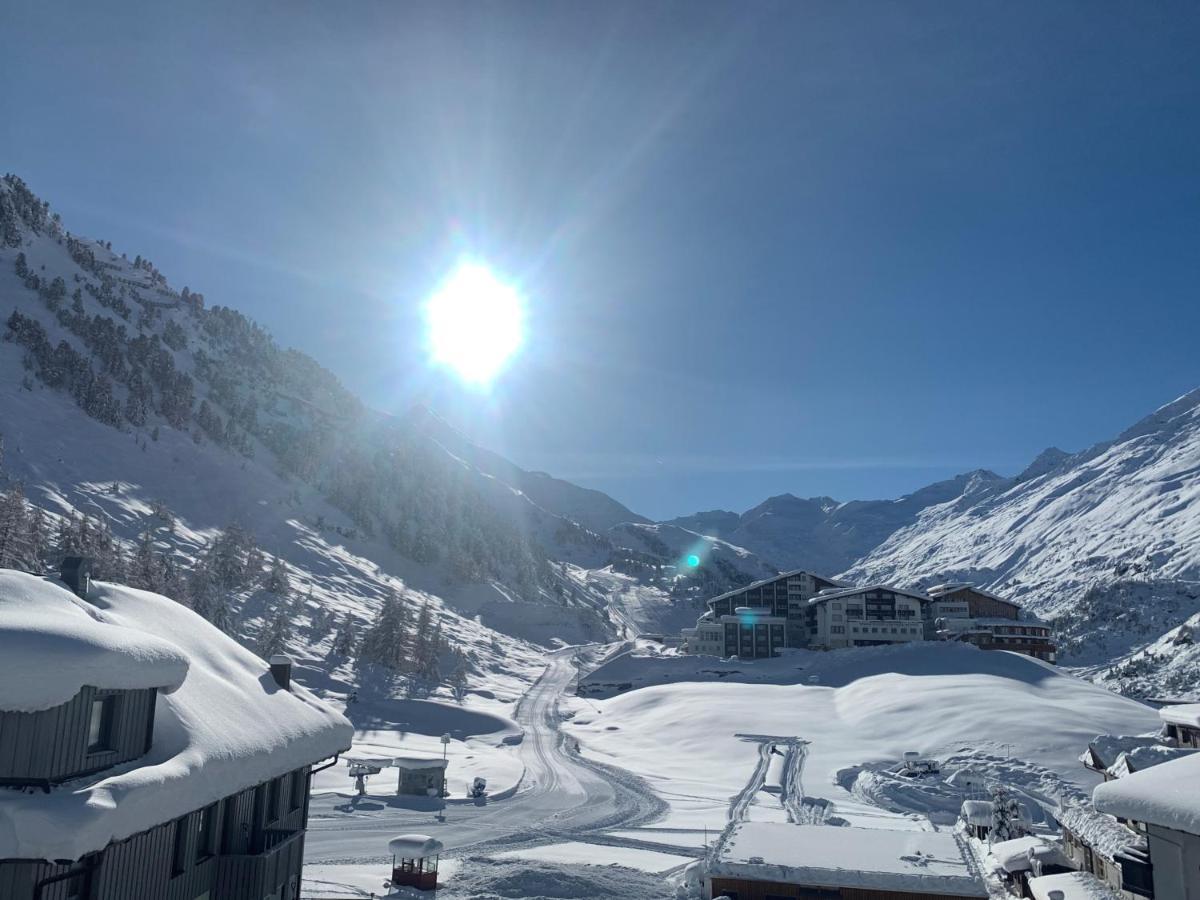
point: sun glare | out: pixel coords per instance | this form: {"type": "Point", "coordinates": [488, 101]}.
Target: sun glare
{"type": "Point", "coordinates": [474, 323]}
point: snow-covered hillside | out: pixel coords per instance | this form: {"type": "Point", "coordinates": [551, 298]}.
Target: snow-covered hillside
{"type": "Point", "coordinates": [822, 535]}
{"type": "Point", "coordinates": [1106, 541]}
{"type": "Point", "coordinates": [166, 420]}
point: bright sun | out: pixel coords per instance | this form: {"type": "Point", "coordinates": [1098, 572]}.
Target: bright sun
{"type": "Point", "coordinates": [474, 323]}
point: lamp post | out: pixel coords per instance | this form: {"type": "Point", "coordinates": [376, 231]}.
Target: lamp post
{"type": "Point", "coordinates": [445, 744]}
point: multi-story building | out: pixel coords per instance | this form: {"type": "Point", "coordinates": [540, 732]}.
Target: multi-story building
{"type": "Point", "coordinates": [867, 616]}
{"type": "Point", "coordinates": [144, 753]}
{"type": "Point", "coordinates": [783, 598]}
{"type": "Point", "coordinates": [963, 612]}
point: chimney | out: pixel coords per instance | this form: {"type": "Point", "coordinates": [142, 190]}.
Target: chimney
{"type": "Point", "coordinates": [76, 573]}
{"type": "Point", "coordinates": [281, 670]}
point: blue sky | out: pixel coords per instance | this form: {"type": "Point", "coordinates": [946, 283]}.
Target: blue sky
{"type": "Point", "coordinates": [819, 248]}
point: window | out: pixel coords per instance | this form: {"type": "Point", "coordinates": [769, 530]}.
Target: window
{"type": "Point", "coordinates": [178, 860]}
{"type": "Point", "coordinates": [273, 799]}
{"type": "Point", "coordinates": [838, 629]}
{"type": "Point", "coordinates": [297, 789]}
{"type": "Point", "coordinates": [100, 725]}
{"type": "Point", "coordinates": [206, 829]}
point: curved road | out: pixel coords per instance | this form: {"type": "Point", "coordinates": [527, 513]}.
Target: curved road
{"type": "Point", "coordinates": [561, 795]}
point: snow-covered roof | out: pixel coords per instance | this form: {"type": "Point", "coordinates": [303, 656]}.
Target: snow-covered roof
{"type": "Point", "coordinates": [1107, 747]}
{"type": "Point", "coordinates": [978, 812]}
{"type": "Point", "coordinates": [762, 581]}
{"type": "Point", "coordinates": [1146, 758]}
{"type": "Point", "coordinates": [416, 761]}
{"type": "Point", "coordinates": [849, 592]}
{"type": "Point", "coordinates": [414, 846]}
{"type": "Point", "coordinates": [1017, 855]}
{"type": "Point", "coordinates": [1070, 886]}
{"type": "Point", "coordinates": [1181, 714]}
{"type": "Point", "coordinates": [925, 862]}
{"type": "Point", "coordinates": [940, 590]}
{"type": "Point", "coordinates": [993, 622]}
{"type": "Point", "coordinates": [1167, 795]}
{"type": "Point", "coordinates": [52, 644]}
{"type": "Point", "coordinates": [228, 727]}
{"type": "Point", "coordinates": [1104, 834]}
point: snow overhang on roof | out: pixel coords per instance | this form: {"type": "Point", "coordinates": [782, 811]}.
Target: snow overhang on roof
{"type": "Point", "coordinates": [418, 762]}
{"type": "Point", "coordinates": [414, 846]}
{"type": "Point", "coordinates": [1181, 714]}
{"type": "Point", "coordinates": [228, 727]}
{"type": "Point", "coordinates": [1167, 795]}
{"type": "Point", "coordinates": [52, 644]}
{"type": "Point", "coordinates": [1017, 855]}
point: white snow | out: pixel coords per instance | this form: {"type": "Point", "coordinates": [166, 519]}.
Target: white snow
{"type": "Point", "coordinates": [1101, 832]}
{"type": "Point", "coordinates": [926, 862]}
{"type": "Point", "coordinates": [978, 812]}
{"type": "Point", "coordinates": [414, 846]}
{"type": "Point", "coordinates": [228, 727]}
{"type": "Point", "coordinates": [1182, 714]}
{"type": "Point", "coordinates": [1002, 714]}
{"type": "Point", "coordinates": [581, 853]}
{"type": "Point", "coordinates": [1166, 795]}
{"type": "Point", "coordinates": [1070, 886]}
{"type": "Point", "coordinates": [52, 644]}
{"type": "Point", "coordinates": [1017, 854]}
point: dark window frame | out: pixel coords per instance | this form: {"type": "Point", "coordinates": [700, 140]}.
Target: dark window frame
{"type": "Point", "coordinates": [102, 729]}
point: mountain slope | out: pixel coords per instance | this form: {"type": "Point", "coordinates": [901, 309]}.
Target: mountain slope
{"type": "Point", "coordinates": [823, 535]}
{"type": "Point", "coordinates": [1107, 540]}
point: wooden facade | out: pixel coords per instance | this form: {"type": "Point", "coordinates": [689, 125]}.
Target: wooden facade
{"type": "Point", "coordinates": [53, 745]}
{"type": "Point", "coordinates": [748, 889]}
{"type": "Point", "coordinates": [248, 846]}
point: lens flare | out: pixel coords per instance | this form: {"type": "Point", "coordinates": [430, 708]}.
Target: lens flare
{"type": "Point", "coordinates": [693, 560]}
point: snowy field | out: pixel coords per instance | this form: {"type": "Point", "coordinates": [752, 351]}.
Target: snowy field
{"type": "Point", "coordinates": [698, 743]}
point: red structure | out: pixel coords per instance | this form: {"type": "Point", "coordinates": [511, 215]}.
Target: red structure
{"type": "Point", "coordinates": [415, 861]}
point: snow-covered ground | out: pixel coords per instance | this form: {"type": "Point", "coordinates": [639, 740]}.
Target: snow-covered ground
{"type": "Point", "coordinates": [697, 743]}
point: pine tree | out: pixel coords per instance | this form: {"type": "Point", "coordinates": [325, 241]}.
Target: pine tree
{"type": "Point", "coordinates": [458, 680]}
{"type": "Point", "coordinates": [278, 581]}
{"type": "Point", "coordinates": [276, 632]}
{"type": "Point", "coordinates": [1006, 815]}
{"type": "Point", "coordinates": [386, 642]}
{"type": "Point", "coordinates": [14, 531]}
{"type": "Point", "coordinates": [346, 638]}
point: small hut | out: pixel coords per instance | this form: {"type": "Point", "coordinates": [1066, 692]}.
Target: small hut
{"type": "Point", "coordinates": [424, 776]}
{"type": "Point", "coordinates": [415, 861]}
{"type": "Point", "coordinates": [977, 816]}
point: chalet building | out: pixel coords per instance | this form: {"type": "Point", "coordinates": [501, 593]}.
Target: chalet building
{"type": "Point", "coordinates": [1115, 853]}
{"type": "Point", "coordinates": [963, 612]}
{"type": "Point", "coordinates": [1162, 804]}
{"type": "Point", "coordinates": [774, 860]}
{"type": "Point", "coordinates": [1115, 756]}
{"type": "Point", "coordinates": [870, 616]}
{"type": "Point", "coordinates": [784, 597]}
{"type": "Point", "coordinates": [1181, 724]}
{"type": "Point", "coordinates": [148, 755]}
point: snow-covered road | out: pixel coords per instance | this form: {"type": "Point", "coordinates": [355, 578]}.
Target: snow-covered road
{"type": "Point", "coordinates": [561, 796]}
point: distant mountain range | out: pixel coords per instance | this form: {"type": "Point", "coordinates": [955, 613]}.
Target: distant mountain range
{"type": "Point", "coordinates": [121, 395]}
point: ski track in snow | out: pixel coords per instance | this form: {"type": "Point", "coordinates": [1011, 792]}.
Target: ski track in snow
{"type": "Point", "coordinates": [563, 795]}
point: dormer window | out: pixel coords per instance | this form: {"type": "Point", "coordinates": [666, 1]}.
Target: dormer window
{"type": "Point", "coordinates": [100, 725]}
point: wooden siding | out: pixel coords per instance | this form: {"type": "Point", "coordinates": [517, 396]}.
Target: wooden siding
{"type": "Point", "coordinates": [51, 744]}
{"type": "Point", "coordinates": [747, 889]}
{"type": "Point", "coordinates": [254, 854]}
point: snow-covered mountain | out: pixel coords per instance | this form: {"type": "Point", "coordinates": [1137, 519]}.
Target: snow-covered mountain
{"type": "Point", "coordinates": [139, 403]}
{"type": "Point", "coordinates": [1105, 541]}
{"type": "Point", "coordinates": [821, 534]}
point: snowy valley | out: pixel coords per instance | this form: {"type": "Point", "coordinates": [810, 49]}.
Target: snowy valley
{"type": "Point", "coordinates": [490, 622]}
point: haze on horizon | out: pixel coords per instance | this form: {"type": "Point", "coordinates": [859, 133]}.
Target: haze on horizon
{"type": "Point", "coordinates": [818, 248]}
